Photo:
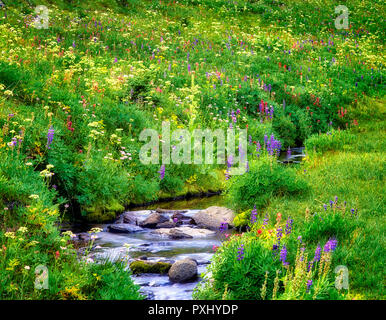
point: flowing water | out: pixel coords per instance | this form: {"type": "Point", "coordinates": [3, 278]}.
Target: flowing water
{"type": "Point", "coordinates": [295, 156]}
{"type": "Point", "coordinates": [154, 247]}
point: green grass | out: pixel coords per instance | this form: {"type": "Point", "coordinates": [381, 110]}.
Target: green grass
{"type": "Point", "coordinates": [355, 174]}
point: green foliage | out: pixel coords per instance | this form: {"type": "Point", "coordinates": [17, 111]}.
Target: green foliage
{"type": "Point", "coordinates": [330, 225]}
{"type": "Point", "coordinates": [246, 267]}
{"type": "Point", "coordinates": [171, 183]}
{"type": "Point", "coordinates": [144, 190]}
{"type": "Point", "coordinates": [334, 140]}
{"type": "Point", "coordinates": [241, 280]}
{"type": "Point", "coordinates": [113, 282]}
{"type": "Point", "coordinates": [286, 130]}
{"type": "Point", "coordinates": [107, 183]}
{"type": "Point", "coordinates": [265, 179]}
{"type": "Point", "coordinates": [31, 240]}
{"type": "Point", "coordinates": [242, 219]}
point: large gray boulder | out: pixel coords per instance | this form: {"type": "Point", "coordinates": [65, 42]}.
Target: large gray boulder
{"type": "Point", "coordinates": [152, 220]}
{"type": "Point", "coordinates": [183, 270]}
{"type": "Point", "coordinates": [212, 217]}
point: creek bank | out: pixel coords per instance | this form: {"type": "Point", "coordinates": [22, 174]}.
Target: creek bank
{"type": "Point", "coordinates": [166, 261]}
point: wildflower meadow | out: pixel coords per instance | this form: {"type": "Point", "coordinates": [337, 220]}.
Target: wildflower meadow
{"type": "Point", "coordinates": [82, 81]}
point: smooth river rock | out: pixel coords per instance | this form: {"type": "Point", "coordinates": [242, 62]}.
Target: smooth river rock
{"type": "Point", "coordinates": [183, 270]}
{"type": "Point", "coordinates": [212, 217]}
{"type": "Point", "coordinates": [170, 211]}
{"type": "Point", "coordinates": [152, 220]}
{"type": "Point", "coordinates": [130, 217]}
{"type": "Point", "coordinates": [123, 228]}
{"type": "Point", "coordinates": [184, 232]}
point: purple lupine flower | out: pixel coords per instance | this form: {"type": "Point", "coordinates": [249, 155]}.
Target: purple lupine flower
{"type": "Point", "coordinates": [309, 284]}
{"type": "Point", "coordinates": [288, 227]}
{"type": "Point", "coordinates": [265, 221]}
{"type": "Point", "coordinates": [188, 67]}
{"type": "Point", "coordinates": [330, 245]}
{"type": "Point", "coordinates": [50, 137]}
{"type": "Point", "coordinates": [283, 256]}
{"type": "Point", "coordinates": [317, 253]}
{"type": "Point", "coordinates": [273, 146]}
{"type": "Point", "coordinates": [229, 165]}
{"type": "Point", "coordinates": [247, 166]}
{"type": "Point", "coordinates": [325, 207]}
{"type": "Point", "coordinates": [240, 252]}
{"type": "Point", "coordinates": [241, 153]}
{"type": "Point", "coordinates": [300, 239]}
{"type": "Point", "coordinates": [14, 142]}
{"type": "Point", "coordinates": [162, 172]}
{"type": "Point", "coordinates": [254, 215]}
{"type": "Point", "coordinates": [279, 234]}
{"type": "Point", "coordinates": [302, 249]}
{"type": "Point", "coordinates": [271, 112]}
{"type": "Point", "coordinates": [258, 147]}
{"type": "Point", "coordinates": [223, 227]}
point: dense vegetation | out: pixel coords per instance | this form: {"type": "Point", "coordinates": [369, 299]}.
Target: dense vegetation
{"type": "Point", "coordinates": [75, 97]}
